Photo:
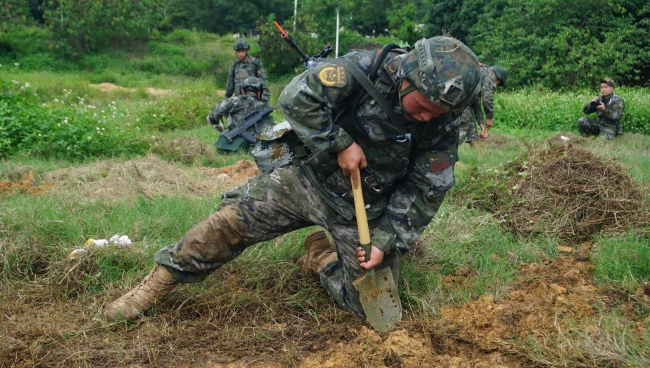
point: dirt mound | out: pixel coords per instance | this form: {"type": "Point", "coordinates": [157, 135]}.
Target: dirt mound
{"type": "Point", "coordinates": [149, 176]}
{"type": "Point", "coordinates": [562, 189]}
{"type": "Point", "coordinates": [545, 298]}
{"type": "Point", "coordinates": [23, 186]}
{"type": "Point", "coordinates": [409, 346]}
{"type": "Point", "coordinates": [110, 87]}
{"type": "Point", "coordinates": [236, 174]}
{"type": "Point", "coordinates": [182, 149]}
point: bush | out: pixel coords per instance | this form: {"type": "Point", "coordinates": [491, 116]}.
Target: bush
{"type": "Point", "coordinates": [64, 131]}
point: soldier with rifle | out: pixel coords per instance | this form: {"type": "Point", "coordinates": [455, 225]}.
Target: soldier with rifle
{"type": "Point", "coordinates": [245, 66]}
{"type": "Point", "coordinates": [245, 115]}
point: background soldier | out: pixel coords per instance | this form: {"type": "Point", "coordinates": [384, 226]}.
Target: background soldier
{"type": "Point", "coordinates": [406, 149]}
{"type": "Point", "coordinates": [609, 109]}
{"type": "Point", "coordinates": [245, 66]}
{"type": "Point", "coordinates": [234, 109]}
{"type": "Point", "coordinates": [492, 77]}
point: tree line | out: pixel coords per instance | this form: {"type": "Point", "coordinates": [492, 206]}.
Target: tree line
{"type": "Point", "coordinates": [546, 43]}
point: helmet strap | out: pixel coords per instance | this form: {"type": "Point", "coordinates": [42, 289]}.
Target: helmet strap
{"type": "Point", "coordinates": [402, 93]}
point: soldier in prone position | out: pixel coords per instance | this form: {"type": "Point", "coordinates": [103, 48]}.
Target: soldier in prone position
{"type": "Point", "coordinates": [406, 149]}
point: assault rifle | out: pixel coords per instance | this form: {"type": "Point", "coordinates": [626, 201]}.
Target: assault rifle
{"type": "Point", "coordinates": [306, 60]}
{"type": "Point", "coordinates": [249, 120]}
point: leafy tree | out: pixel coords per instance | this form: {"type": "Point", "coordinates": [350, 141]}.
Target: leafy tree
{"type": "Point", "coordinates": [403, 24]}
{"type": "Point", "coordinates": [368, 17]}
{"type": "Point", "coordinates": [13, 12]}
{"type": "Point", "coordinates": [560, 44]}
{"type": "Point", "coordinates": [90, 25]}
{"type": "Point", "coordinates": [223, 16]}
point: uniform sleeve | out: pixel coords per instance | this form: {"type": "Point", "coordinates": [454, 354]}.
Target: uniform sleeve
{"type": "Point", "coordinates": [417, 197]}
{"type": "Point", "coordinates": [230, 84]}
{"type": "Point", "coordinates": [261, 74]}
{"type": "Point", "coordinates": [588, 108]}
{"type": "Point", "coordinates": [307, 104]}
{"type": "Point", "coordinates": [220, 110]}
{"type": "Point", "coordinates": [615, 110]}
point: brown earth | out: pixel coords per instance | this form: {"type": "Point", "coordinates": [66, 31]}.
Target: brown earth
{"type": "Point", "coordinates": [52, 322]}
{"type": "Point", "coordinates": [110, 87]}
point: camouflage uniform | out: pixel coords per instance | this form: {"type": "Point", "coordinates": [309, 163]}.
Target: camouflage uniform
{"type": "Point", "coordinates": [241, 70]}
{"type": "Point", "coordinates": [474, 114]}
{"type": "Point", "coordinates": [609, 120]}
{"type": "Point", "coordinates": [404, 184]}
{"type": "Point", "coordinates": [235, 108]}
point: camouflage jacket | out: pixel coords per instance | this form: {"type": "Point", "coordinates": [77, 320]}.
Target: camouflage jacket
{"type": "Point", "coordinates": [235, 108]}
{"type": "Point", "coordinates": [405, 181]}
{"type": "Point", "coordinates": [240, 71]}
{"type": "Point", "coordinates": [614, 108]}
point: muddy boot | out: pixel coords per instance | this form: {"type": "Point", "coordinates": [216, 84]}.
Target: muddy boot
{"type": "Point", "coordinates": [158, 283]}
{"type": "Point", "coordinates": [320, 252]}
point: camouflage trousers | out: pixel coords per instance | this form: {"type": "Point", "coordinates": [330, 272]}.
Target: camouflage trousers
{"type": "Point", "coordinates": [593, 127]}
{"type": "Point", "coordinates": [268, 206]}
{"type": "Point", "coordinates": [468, 131]}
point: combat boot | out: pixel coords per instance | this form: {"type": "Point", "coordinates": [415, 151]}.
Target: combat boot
{"type": "Point", "coordinates": [158, 283]}
{"type": "Point", "coordinates": [320, 253]}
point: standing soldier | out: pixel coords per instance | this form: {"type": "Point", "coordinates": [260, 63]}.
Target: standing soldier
{"type": "Point", "coordinates": [234, 109]}
{"type": "Point", "coordinates": [492, 77]}
{"type": "Point", "coordinates": [399, 127]}
{"type": "Point", "coordinates": [245, 66]}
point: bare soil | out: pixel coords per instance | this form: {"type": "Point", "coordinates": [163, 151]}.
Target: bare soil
{"type": "Point", "coordinates": [110, 87]}
{"type": "Point", "coordinates": [230, 322]}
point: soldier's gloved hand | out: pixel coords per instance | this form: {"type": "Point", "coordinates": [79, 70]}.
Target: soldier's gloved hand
{"type": "Point", "coordinates": [219, 127]}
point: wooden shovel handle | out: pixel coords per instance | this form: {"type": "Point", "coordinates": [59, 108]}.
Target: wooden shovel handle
{"type": "Point", "coordinates": [360, 210]}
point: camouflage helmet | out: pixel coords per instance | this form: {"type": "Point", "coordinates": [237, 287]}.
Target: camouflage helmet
{"type": "Point", "coordinates": [444, 70]}
{"type": "Point", "coordinates": [241, 45]}
{"type": "Point", "coordinates": [500, 73]}
{"type": "Point", "coordinates": [252, 84]}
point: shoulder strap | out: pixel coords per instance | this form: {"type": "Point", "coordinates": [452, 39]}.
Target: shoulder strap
{"type": "Point", "coordinates": [376, 95]}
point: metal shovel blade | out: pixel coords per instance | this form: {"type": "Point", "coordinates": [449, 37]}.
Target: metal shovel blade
{"type": "Point", "coordinates": [377, 288]}
{"type": "Point", "coordinates": [379, 298]}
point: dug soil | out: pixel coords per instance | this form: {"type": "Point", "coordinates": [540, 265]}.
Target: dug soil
{"type": "Point", "coordinates": [49, 322]}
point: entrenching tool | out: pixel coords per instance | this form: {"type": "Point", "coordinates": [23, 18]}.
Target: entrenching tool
{"type": "Point", "coordinates": [377, 288]}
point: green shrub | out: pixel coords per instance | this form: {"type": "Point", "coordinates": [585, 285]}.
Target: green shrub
{"type": "Point", "coordinates": [63, 131]}
{"type": "Point", "coordinates": [183, 37]}
{"type": "Point", "coordinates": [182, 111]}
{"type": "Point", "coordinates": [104, 77]}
